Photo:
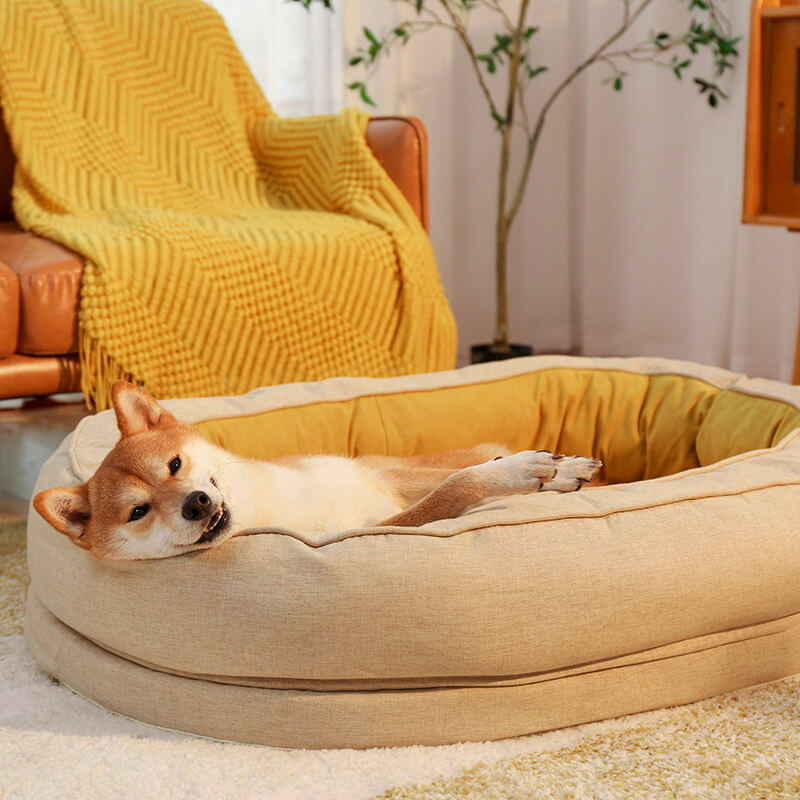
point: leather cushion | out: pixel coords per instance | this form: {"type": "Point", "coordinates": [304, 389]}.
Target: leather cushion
{"type": "Point", "coordinates": [49, 278]}
{"type": "Point", "coordinates": [28, 376]}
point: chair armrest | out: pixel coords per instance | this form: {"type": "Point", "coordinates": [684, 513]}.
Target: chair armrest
{"type": "Point", "coordinates": [401, 146]}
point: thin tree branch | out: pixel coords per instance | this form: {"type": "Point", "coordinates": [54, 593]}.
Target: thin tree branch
{"type": "Point", "coordinates": [429, 11]}
{"type": "Point", "coordinates": [501, 251]}
{"type": "Point", "coordinates": [495, 5]}
{"type": "Point", "coordinates": [646, 50]}
{"type": "Point", "coordinates": [629, 18]}
{"type": "Point", "coordinates": [459, 28]}
{"type": "Point", "coordinates": [524, 108]}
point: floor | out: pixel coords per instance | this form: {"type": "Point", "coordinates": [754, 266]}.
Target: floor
{"type": "Point", "coordinates": [30, 430]}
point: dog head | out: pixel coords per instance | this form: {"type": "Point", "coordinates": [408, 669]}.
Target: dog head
{"type": "Point", "coordinates": [159, 492]}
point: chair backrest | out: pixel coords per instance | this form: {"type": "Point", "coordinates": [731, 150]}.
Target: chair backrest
{"type": "Point", "coordinates": [401, 144]}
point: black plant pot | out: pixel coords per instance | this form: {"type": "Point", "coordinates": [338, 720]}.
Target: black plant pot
{"type": "Point", "coordinates": [481, 353]}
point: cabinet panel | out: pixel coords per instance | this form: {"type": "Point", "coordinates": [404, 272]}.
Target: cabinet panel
{"type": "Point", "coordinates": [782, 135]}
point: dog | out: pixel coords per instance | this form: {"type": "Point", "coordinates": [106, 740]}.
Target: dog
{"type": "Point", "coordinates": [164, 490]}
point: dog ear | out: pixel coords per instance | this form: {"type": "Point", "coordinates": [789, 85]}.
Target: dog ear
{"type": "Point", "coordinates": [136, 410]}
{"type": "Point", "coordinates": [67, 510]}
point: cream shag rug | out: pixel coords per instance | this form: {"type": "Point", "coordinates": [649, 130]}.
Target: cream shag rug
{"type": "Point", "coordinates": [55, 744]}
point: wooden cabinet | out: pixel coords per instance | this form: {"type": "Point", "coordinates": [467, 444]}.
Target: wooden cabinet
{"type": "Point", "coordinates": [772, 152]}
{"type": "Point", "coordinates": [772, 147]}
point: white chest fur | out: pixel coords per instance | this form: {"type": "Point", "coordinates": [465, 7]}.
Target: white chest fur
{"type": "Point", "coordinates": [320, 493]}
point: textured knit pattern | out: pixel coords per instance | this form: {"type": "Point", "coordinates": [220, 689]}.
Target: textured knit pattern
{"type": "Point", "coordinates": [225, 247]}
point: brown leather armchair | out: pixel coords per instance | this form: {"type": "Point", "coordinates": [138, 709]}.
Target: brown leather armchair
{"type": "Point", "coordinates": [40, 280]}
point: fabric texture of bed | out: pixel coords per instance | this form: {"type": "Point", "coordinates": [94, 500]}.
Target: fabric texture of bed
{"type": "Point", "coordinates": [678, 581]}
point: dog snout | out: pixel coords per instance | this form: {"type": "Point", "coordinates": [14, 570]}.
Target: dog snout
{"type": "Point", "coordinates": [196, 505]}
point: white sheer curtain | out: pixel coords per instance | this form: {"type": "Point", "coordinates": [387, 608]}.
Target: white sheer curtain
{"type": "Point", "coordinates": [296, 55]}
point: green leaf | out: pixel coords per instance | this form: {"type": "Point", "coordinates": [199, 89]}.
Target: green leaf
{"type": "Point", "coordinates": [365, 96]}
{"type": "Point", "coordinates": [728, 46]}
{"type": "Point", "coordinates": [489, 61]}
{"type": "Point", "coordinates": [370, 35]}
{"type": "Point", "coordinates": [307, 4]}
{"type": "Point", "coordinates": [361, 88]}
{"type": "Point", "coordinates": [356, 60]}
{"type": "Point", "coordinates": [618, 84]}
{"type": "Point", "coordinates": [503, 43]}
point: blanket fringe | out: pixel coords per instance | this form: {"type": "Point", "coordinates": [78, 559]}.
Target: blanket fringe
{"type": "Point", "coordinates": [99, 369]}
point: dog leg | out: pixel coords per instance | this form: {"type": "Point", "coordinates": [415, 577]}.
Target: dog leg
{"type": "Point", "coordinates": [515, 474]}
{"type": "Point", "coordinates": [451, 460]}
{"type": "Point", "coordinates": [571, 473]}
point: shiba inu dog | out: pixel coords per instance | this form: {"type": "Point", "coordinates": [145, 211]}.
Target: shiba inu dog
{"type": "Point", "coordinates": [164, 490]}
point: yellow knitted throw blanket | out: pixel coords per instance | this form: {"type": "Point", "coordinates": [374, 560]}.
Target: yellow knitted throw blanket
{"type": "Point", "coordinates": [226, 248]}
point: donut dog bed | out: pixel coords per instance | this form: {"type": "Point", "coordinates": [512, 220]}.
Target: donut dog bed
{"type": "Point", "coordinates": [678, 581]}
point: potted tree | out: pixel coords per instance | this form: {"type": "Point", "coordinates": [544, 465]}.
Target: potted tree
{"type": "Point", "coordinates": [506, 70]}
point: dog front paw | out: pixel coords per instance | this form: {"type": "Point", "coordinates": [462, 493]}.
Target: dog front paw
{"type": "Point", "coordinates": [519, 473]}
{"type": "Point", "coordinates": [572, 473]}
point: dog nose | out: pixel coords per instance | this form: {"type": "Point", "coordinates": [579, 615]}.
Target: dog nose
{"type": "Point", "coordinates": [196, 505]}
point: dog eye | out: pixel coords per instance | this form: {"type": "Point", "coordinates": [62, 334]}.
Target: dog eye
{"type": "Point", "coordinates": [174, 465]}
{"type": "Point", "coordinates": [138, 513]}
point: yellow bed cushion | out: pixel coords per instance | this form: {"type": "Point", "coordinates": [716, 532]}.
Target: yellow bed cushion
{"type": "Point", "coordinates": [529, 612]}
{"type": "Point", "coordinates": [641, 425]}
